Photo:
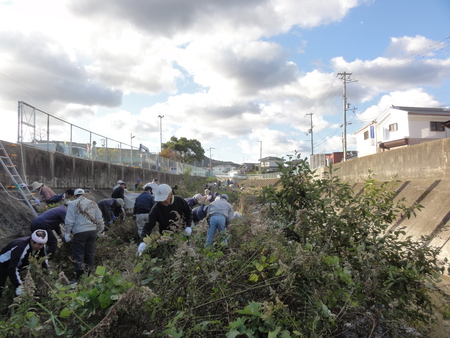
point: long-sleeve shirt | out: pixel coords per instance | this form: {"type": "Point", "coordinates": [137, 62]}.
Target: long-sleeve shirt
{"type": "Point", "coordinates": [83, 215]}
{"type": "Point", "coordinates": [46, 193]}
{"type": "Point", "coordinates": [144, 203]}
{"type": "Point", "coordinates": [51, 219]}
{"type": "Point", "coordinates": [199, 213]}
{"type": "Point", "coordinates": [109, 207]}
{"type": "Point", "coordinates": [221, 207]}
{"type": "Point", "coordinates": [168, 215]}
{"type": "Point", "coordinates": [118, 192]}
{"type": "Point", "coordinates": [15, 256]}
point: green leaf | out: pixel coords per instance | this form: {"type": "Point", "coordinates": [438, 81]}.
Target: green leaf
{"type": "Point", "coordinates": [65, 313]}
{"type": "Point", "coordinates": [253, 278]}
{"type": "Point", "coordinates": [101, 271]}
{"type": "Point", "coordinates": [251, 309]}
{"type": "Point", "coordinates": [273, 334]}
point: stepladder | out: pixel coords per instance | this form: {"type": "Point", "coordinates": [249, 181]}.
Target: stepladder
{"type": "Point", "coordinates": [17, 182]}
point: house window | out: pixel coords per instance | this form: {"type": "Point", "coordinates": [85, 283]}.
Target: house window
{"type": "Point", "coordinates": [393, 127]}
{"type": "Point", "coordinates": [437, 126]}
{"type": "Point", "coordinates": [366, 135]}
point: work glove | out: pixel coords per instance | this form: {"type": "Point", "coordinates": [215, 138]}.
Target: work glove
{"type": "Point", "coordinates": [188, 231]}
{"type": "Point", "coordinates": [67, 238]}
{"type": "Point", "coordinates": [141, 248]}
{"type": "Point", "coordinates": [113, 217]}
{"type": "Point", "coordinates": [19, 291]}
{"type": "Point", "coordinates": [100, 234]}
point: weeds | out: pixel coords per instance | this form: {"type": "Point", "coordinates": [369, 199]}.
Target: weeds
{"type": "Point", "coordinates": [317, 261]}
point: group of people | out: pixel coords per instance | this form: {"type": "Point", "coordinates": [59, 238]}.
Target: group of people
{"type": "Point", "coordinates": [169, 210]}
{"type": "Point", "coordinates": [85, 220]}
{"type": "Point", "coordinates": [83, 223]}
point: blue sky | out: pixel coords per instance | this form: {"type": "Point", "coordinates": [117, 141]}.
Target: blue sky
{"type": "Point", "coordinates": [228, 73]}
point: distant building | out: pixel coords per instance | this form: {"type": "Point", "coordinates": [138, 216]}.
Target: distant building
{"type": "Point", "coordinates": [220, 167]}
{"type": "Point", "coordinates": [270, 163]}
{"type": "Point", "coordinates": [400, 127]}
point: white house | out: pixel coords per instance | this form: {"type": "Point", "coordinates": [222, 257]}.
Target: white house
{"type": "Point", "coordinates": [270, 162]}
{"type": "Point", "coordinates": [223, 167]}
{"type": "Point", "coordinates": [402, 126]}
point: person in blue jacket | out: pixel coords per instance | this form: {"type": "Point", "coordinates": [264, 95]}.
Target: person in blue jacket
{"type": "Point", "coordinates": [142, 206]}
{"type": "Point", "coordinates": [111, 208]}
{"type": "Point", "coordinates": [195, 200]}
{"type": "Point", "coordinates": [199, 213]}
{"type": "Point", "coordinates": [50, 221]}
{"type": "Point", "coordinates": [16, 255]}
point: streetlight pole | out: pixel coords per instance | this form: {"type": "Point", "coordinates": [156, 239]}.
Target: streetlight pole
{"type": "Point", "coordinates": [210, 167]}
{"type": "Point", "coordinates": [131, 152]}
{"type": "Point", "coordinates": [260, 157]}
{"type": "Point", "coordinates": [160, 132]}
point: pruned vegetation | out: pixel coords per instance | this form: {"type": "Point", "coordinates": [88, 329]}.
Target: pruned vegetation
{"type": "Point", "coordinates": [316, 260]}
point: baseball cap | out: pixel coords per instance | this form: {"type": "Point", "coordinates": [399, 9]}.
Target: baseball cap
{"type": "Point", "coordinates": [120, 201]}
{"type": "Point", "coordinates": [120, 182]}
{"type": "Point", "coordinates": [225, 196]}
{"type": "Point", "coordinates": [79, 191]}
{"type": "Point", "coordinates": [162, 192]}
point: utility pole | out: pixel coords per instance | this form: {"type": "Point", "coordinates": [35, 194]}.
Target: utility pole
{"type": "Point", "coordinates": [260, 157]}
{"type": "Point", "coordinates": [131, 152]}
{"type": "Point", "coordinates": [310, 131]}
{"type": "Point", "coordinates": [345, 77]}
{"type": "Point", "coordinates": [160, 132]}
{"type": "Point", "coordinates": [210, 167]}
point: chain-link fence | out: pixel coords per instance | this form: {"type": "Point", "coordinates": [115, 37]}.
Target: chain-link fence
{"type": "Point", "coordinates": [45, 131]}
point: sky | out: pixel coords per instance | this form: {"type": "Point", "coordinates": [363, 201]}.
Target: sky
{"type": "Point", "coordinates": [245, 78]}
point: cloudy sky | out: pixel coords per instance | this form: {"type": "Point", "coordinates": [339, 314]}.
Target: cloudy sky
{"type": "Point", "coordinates": [227, 73]}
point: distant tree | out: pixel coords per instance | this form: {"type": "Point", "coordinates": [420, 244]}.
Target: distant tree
{"type": "Point", "coordinates": [186, 150]}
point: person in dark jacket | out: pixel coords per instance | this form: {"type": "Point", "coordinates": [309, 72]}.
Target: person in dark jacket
{"type": "Point", "coordinates": [68, 194]}
{"type": "Point", "coordinates": [119, 192]}
{"type": "Point", "coordinates": [111, 208]}
{"type": "Point", "coordinates": [142, 206]}
{"type": "Point", "coordinates": [50, 221]}
{"type": "Point", "coordinates": [199, 213]}
{"type": "Point", "coordinates": [195, 200]}
{"type": "Point", "coordinates": [170, 210]}
{"type": "Point", "coordinates": [16, 255]}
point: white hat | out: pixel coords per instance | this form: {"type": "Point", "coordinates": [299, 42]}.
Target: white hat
{"type": "Point", "coordinates": [79, 191]}
{"type": "Point", "coordinates": [120, 182]}
{"type": "Point", "coordinates": [199, 198]}
{"type": "Point", "coordinates": [36, 185]}
{"type": "Point", "coordinates": [39, 239]}
{"type": "Point", "coordinates": [120, 201]}
{"type": "Point", "coordinates": [162, 192]}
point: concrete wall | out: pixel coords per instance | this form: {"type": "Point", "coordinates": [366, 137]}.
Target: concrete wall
{"type": "Point", "coordinates": [424, 174]}
{"type": "Point", "coordinates": [428, 160]}
{"type": "Point", "coordinates": [59, 171]}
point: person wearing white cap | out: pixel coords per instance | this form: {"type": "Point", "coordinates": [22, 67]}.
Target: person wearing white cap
{"type": "Point", "coordinates": [84, 221]}
{"type": "Point", "coordinates": [167, 212]}
{"type": "Point", "coordinates": [220, 214]}
{"type": "Point", "coordinates": [195, 200]}
{"type": "Point", "coordinates": [16, 255]}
